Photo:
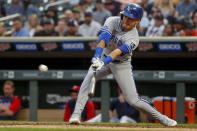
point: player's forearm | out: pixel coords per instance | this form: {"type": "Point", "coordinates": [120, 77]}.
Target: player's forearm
{"type": "Point", "coordinates": [101, 44]}
{"type": "Point", "coordinates": [116, 53]}
{"type": "Point", "coordinates": [99, 49]}
{"type": "Point", "coordinates": [112, 56]}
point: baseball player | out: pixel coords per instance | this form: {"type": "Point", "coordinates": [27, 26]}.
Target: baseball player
{"type": "Point", "coordinates": [117, 40]}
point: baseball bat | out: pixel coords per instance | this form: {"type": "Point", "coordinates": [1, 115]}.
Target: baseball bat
{"type": "Point", "coordinates": [92, 86]}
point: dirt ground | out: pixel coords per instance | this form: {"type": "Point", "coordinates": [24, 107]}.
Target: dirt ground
{"type": "Point", "coordinates": [106, 127]}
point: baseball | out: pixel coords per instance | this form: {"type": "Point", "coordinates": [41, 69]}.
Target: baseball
{"type": "Point", "coordinates": [43, 68]}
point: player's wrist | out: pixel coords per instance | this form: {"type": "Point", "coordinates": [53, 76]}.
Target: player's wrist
{"type": "Point", "coordinates": [107, 60]}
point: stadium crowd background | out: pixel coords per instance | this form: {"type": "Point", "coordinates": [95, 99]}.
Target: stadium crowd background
{"type": "Point", "coordinates": [85, 17]}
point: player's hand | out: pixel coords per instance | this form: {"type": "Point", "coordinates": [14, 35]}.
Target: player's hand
{"type": "Point", "coordinates": [97, 65]}
{"type": "Point", "coordinates": [95, 59]}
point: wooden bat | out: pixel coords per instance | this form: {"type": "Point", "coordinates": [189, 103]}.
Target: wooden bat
{"type": "Point", "coordinates": [92, 86]}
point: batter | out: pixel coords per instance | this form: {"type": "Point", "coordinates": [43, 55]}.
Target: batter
{"type": "Point", "coordinates": [117, 40]}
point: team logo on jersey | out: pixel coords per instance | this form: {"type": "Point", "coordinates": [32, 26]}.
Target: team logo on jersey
{"type": "Point", "coordinates": [192, 47]}
{"type": "Point", "coordinates": [128, 8]}
{"type": "Point", "coordinates": [169, 46]}
{"type": "Point", "coordinates": [116, 40]}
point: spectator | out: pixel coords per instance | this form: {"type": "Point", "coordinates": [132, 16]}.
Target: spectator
{"type": "Point", "coordinates": [61, 27]}
{"type": "Point", "coordinates": [144, 23]}
{"type": "Point", "coordinates": [77, 15]}
{"type": "Point", "coordinates": [113, 7]}
{"type": "Point", "coordinates": [48, 28]}
{"type": "Point", "coordinates": [2, 9]}
{"type": "Point", "coordinates": [147, 7]}
{"type": "Point", "coordinates": [18, 29]}
{"type": "Point", "coordinates": [72, 29]}
{"type": "Point", "coordinates": [9, 104]}
{"type": "Point", "coordinates": [175, 2]}
{"type": "Point", "coordinates": [88, 112]}
{"type": "Point", "coordinates": [89, 4]}
{"type": "Point", "coordinates": [166, 7]}
{"type": "Point", "coordinates": [30, 8]}
{"type": "Point", "coordinates": [169, 30]}
{"type": "Point", "coordinates": [2, 30]}
{"type": "Point", "coordinates": [15, 7]}
{"type": "Point", "coordinates": [33, 25]}
{"type": "Point", "coordinates": [178, 27]}
{"type": "Point", "coordinates": [51, 13]}
{"type": "Point", "coordinates": [125, 112]}
{"type": "Point", "coordinates": [101, 14]}
{"type": "Point", "coordinates": [128, 1]}
{"type": "Point", "coordinates": [89, 27]}
{"type": "Point", "coordinates": [189, 29]}
{"type": "Point", "coordinates": [185, 9]}
{"type": "Point", "coordinates": [156, 12]}
{"type": "Point", "coordinates": [74, 2]}
{"type": "Point", "coordinates": [83, 8]}
{"type": "Point", "coordinates": [68, 15]}
{"type": "Point", "coordinates": [53, 1]}
{"type": "Point", "coordinates": [194, 18]}
{"type": "Point", "coordinates": [156, 29]}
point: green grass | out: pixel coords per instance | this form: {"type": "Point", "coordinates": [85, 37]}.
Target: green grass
{"type": "Point", "coordinates": [101, 123]}
{"type": "Point", "coordinates": [63, 123]}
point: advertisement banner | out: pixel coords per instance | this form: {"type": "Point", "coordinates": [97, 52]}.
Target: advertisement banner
{"type": "Point", "coordinates": [5, 47]}
{"type": "Point", "coordinates": [26, 46]}
{"type": "Point", "coordinates": [169, 47]}
{"type": "Point", "coordinates": [73, 46]}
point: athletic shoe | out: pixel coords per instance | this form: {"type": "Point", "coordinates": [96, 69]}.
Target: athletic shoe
{"type": "Point", "coordinates": [167, 121]}
{"type": "Point", "coordinates": [75, 119]}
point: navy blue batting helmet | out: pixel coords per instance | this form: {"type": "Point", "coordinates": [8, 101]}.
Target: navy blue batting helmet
{"type": "Point", "coordinates": [133, 11]}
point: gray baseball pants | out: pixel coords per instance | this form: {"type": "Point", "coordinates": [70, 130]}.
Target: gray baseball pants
{"type": "Point", "coordinates": [124, 77]}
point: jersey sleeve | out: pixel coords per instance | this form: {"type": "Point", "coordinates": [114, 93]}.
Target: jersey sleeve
{"type": "Point", "coordinates": [15, 105]}
{"type": "Point", "coordinates": [90, 110]}
{"type": "Point", "coordinates": [67, 113]}
{"type": "Point", "coordinates": [128, 46]}
{"type": "Point", "coordinates": [108, 25]}
{"type": "Point", "coordinates": [132, 43]}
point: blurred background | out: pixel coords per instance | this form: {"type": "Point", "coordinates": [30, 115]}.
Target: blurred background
{"type": "Point", "coordinates": [62, 34]}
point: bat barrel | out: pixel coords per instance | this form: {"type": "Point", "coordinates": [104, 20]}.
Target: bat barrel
{"type": "Point", "coordinates": [92, 87]}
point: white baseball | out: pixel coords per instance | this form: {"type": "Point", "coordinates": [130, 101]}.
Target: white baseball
{"type": "Point", "coordinates": [43, 68]}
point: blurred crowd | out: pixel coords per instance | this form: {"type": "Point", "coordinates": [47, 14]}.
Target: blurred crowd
{"type": "Point", "coordinates": [85, 17]}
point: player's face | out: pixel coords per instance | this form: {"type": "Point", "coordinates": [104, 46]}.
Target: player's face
{"type": "Point", "coordinates": [74, 96]}
{"type": "Point", "coordinates": [8, 90]}
{"type": "Point", "coordinates": [128, 23]}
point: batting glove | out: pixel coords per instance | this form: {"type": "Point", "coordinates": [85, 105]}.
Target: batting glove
{"type": "Point", "coordinates": [95, 59]}
{"type": "Point", "coordinates": [97, 65]}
